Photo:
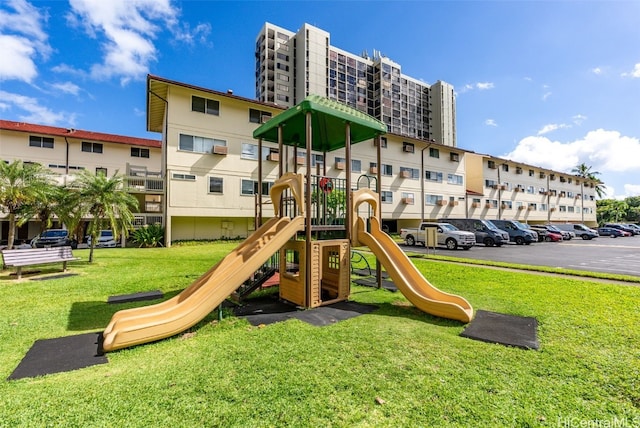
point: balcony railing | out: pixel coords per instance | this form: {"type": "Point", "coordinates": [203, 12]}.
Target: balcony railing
{"type": "Point", "coordinates": [145, 219]}
{"type": "Point", "coordinates": [145, 184]}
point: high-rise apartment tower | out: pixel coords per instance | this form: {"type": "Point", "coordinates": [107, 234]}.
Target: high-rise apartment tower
{"type": "Point", "coordinates": [291, 65]}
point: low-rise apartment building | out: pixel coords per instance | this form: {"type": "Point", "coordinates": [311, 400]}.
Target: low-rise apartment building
{"type": "Point", "coordinates": [211, 163]}
{"type": "Point", "coordinates": [66, 151]}
{"type": "Point", "coordinates": [200, 180]}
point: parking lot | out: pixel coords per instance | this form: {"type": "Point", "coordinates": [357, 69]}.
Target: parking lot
{"type": "Point", "coordinates": [603, 254]}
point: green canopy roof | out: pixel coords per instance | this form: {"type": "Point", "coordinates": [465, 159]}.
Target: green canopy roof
{"type": "Point", "coordinates": [328, 119]}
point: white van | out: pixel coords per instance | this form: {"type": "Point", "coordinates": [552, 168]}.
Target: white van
{"type": "Point", "coordinates": [579, 229]}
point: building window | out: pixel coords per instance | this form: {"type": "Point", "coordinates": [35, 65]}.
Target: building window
{"type": "Point", "coordinates": [283, 98]}
{"type": "Point", "coordinates": [412, 173]}
{"type": "Point", "coordinates": [356, 165]}
{"type": "Point", "coordinates": [215, 184]}
{"type": "Point", "coordinates": [250, 187]}
{"type": "Point", "coordinates": [532, 206]}
{"type": "Point", "coordinates": [408, 147]}
{"type": "Point", "coordinates": [507, 205]}
{"type": "Point", "coordinates": [490, 183]}
{"type": "Point", "coordinates": [258, 116]}
{"type": "Point", "coordinates": [432, 199]}
{"type": "Point", "coordinates": [407, 198]}
{"type": "Point", "coordinates": [91, 147]}
{"type": "Point", "coordinates": [43, 142]}
{"type": "Point", "coordinates": [386, 197]}
{"type": "Point", "coordinates": [190, 143]}
{"type": "Point", "coordinates": [387, 170]}
{"type": "Point", "coordinates": [180, 176]}
{"type": "Point", "coordinates": [101, 171]}
{"type": "Point", "coordinates": [433, 176]}
{"type": "Point", "coordinates": [383, 142]}
{"type": "Point", "coordinates": [204, 105]}
{"type": "Point", "coordinates": [563, 208]}
{"type": "Point", "coordinates": [505, 167]}
{"type": "Point", "coordinates": [531, 189]}
{"type": "Point", "coordinates": [137, 152]}
{"type": "Point", "coordinates": [531, 173]}
{"type": "Point", "coordinates": [492, 203]}
{"type": "Point", "coordinates": [454, 179]}
{"type": "Point", "coordinates": [434, 153]}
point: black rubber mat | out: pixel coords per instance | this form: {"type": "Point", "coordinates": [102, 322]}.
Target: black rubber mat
{"type": "Point", "coordinates": [269, 311]}
{"type": "Point", "coordinates": [136, 297]}
{"type": "Point", "coordinates": [372, 282]}
{"type": "Point", "coordinates": [510, 330]}
{"type": "Point", "coordinates": [58, 355]}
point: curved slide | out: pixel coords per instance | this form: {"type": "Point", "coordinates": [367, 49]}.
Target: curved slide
{"type": "Point", "coordinates": [408, 278]}
{"type": "Point", "coordinates": [149, 323]}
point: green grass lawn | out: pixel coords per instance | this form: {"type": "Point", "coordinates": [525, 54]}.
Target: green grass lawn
{"type": "Point", "coordinates": [395, 367]}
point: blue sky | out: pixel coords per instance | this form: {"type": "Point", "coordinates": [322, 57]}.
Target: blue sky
{"type": "Point", "coordinates": [549, 83]}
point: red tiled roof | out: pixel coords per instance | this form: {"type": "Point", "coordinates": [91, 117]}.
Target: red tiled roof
{"type": "Point", "coordinates": [77, 134]}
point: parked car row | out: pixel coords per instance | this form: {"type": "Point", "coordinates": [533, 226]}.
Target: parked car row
{"type": "Point", "coordinates": [61, 238]}
{"type": "Point", "coordinates": [619, 229]}
{"type": "Point", "coordinates": [463, 233]}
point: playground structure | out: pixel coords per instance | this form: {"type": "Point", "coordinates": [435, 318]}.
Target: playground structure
{"type": "Point", "coordinates": [316, 222]}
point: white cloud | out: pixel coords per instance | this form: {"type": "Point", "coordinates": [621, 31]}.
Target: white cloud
{"type": "Point", "coordinates": [596, 70]}
{"type": "Point", "coordinates": [67, 87]}
{"type": "Point", "coordinates": [578, 119]}
{"type": "Point", "coordinates": [22, 39]}
{"type": "Point", "coordinates": [552, 127]}
{"type": "Point", "coordinates": [546, 95]}
{"type": "Point", "coordinates": [607, 152]}
{"type": "Point", "coordinates": [130, 29]}
{"type": "Point", "coordinates": [484, 85]}
{"type": "Point", "coordinates": [481, 86]}
{"type": "Point", "coordinates": [632, 189]}
{"type": "Point", "coordinates": [634, 73]}
{"type": "Point", "coordinates": [35, 111]}
{"type": "Point", "coordinates": [490, 122]}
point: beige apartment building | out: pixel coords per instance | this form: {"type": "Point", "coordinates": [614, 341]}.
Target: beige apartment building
{"type": "Point", "coordinates": [201, 179]}
{"type": "Point", "coordinates": [211, 167]}
{"type": "Point", "coordinates": [66, 151]}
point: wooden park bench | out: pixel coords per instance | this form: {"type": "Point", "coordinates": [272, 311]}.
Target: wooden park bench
{"type": "Point", "coordinates": [37, 256]}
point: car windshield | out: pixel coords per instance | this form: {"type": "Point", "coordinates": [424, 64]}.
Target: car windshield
{"type": "Point", "coordinates": [54, 234]}
{"type": "Point", "coordinates": [447, 226]}
{"type": "Point", "coordinates": [521, 226]}
{"type": "Point", "coordinates": [106, 234]}
{"type": "Point", "coordinates": [553, 229]}
{"type": "Point", "coordinates": [489, 225]}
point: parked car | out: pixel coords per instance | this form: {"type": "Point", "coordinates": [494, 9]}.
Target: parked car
{"type": "Point", "coordinates": [620, 226]}
{"type": "Point", "coordinates": [580, 230]}
{"type": "Point", "coordinates": [610, 231]}
{"type": "Point", "coordinates": [567, 235]}
{"type": "Point", "coordinates": [54, 238]}
{"type": "Point", "coordinates": [551, 233]}
{"type": "Point", "coordinates": [446, 235]}
{"type": "Point", "coordinates": [634, 227]}
{"type": "Point", "coordinates": [105, 239]}
{"type": "Point", "coordinates": [518, 233]}
{"type": "Point", "coordinates": [486, 232]}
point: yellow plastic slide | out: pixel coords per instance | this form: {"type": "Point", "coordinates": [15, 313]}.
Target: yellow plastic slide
{"type": "Point", "coordinates": [149, 323]}
{"type": "Point", "coordinates": [408, 278]}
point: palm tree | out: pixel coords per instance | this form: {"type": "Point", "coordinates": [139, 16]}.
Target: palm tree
{"type": "Point", "coordinates": [21, 186]}
{"type": "Point", "coordinates": [583, 171]}
{"type": "Point", "coordinates": [106, 200]}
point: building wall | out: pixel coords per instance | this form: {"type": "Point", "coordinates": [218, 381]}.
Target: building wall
{"type": "Point", "coordinates": [67, 155]}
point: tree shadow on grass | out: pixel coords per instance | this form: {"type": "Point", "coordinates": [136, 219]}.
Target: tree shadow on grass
{"type": "Point", "coordinates": [96, 315]}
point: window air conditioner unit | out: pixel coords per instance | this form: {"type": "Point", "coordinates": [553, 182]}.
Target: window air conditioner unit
{"type": "Point", "coordinates": [219, 150]}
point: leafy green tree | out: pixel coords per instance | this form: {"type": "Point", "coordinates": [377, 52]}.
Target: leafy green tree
{"type": "Point", "coordinates": [21, 186]}
{"type": "Point", "coordinates": [611, 211]}
{"type": "Point", "coordinates": [107, 201]}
